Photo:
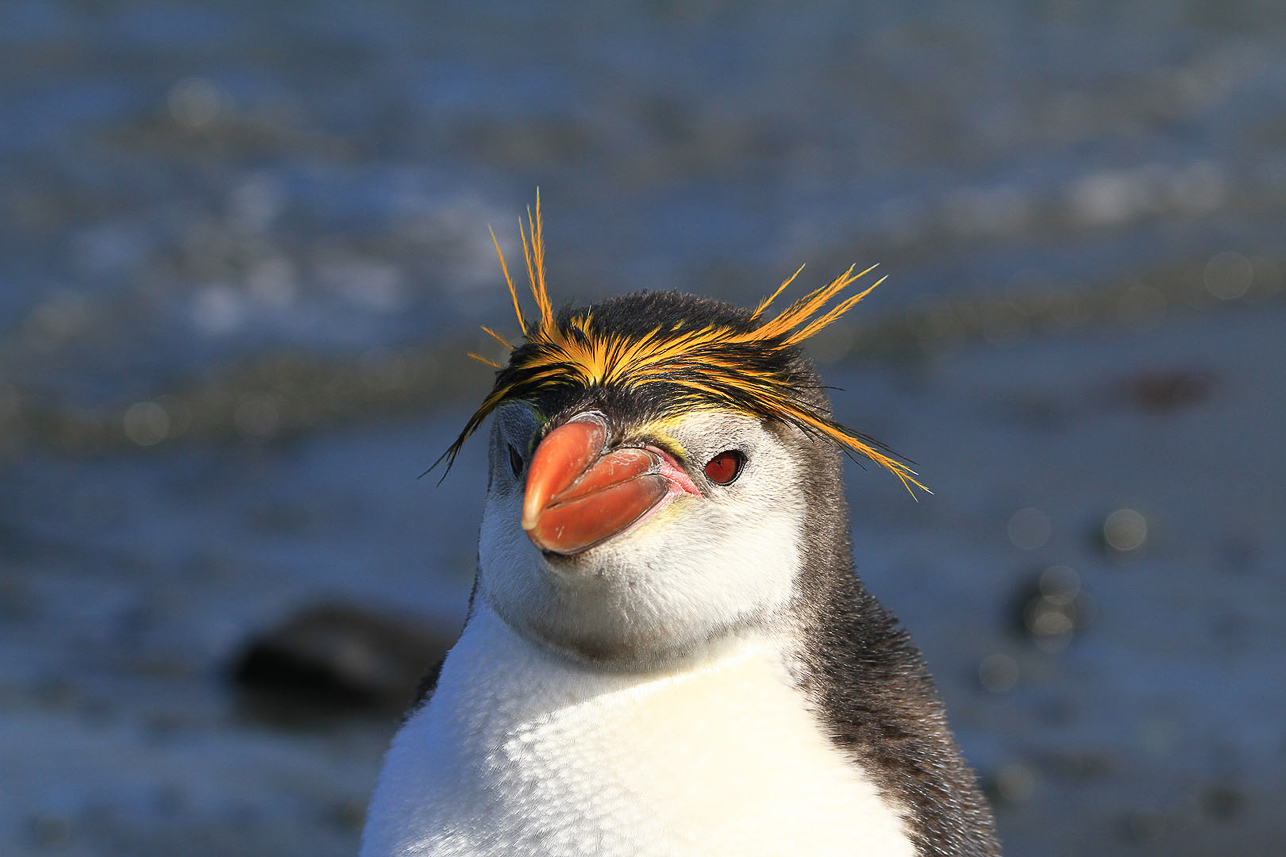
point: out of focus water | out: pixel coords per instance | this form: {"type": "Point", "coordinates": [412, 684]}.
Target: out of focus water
{"type": "Point", "coordinates": [243, 246]}
{"type": "Point", "coordinates": [188, 183]}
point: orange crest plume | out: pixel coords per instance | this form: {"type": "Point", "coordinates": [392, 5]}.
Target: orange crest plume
{"type": "Point", "coordinates": [736, 366]}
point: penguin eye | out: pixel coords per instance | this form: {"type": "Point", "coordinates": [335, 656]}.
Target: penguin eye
{"type": "Point", "coordinates": [515, 460]}
{"type": "Point", "coordinates": [725, 467]}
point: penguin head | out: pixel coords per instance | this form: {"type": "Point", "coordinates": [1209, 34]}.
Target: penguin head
{"type": "Point", "coordinates": [625, 532]}
{"type": "Point", "coordinates": [656, 463]}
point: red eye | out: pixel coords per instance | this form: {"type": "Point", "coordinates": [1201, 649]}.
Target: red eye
{"type": "Point", "coordinates": [725, 467]}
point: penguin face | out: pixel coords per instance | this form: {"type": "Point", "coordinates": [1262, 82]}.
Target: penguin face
{"type": "Point", "coordinates": [634, 544]}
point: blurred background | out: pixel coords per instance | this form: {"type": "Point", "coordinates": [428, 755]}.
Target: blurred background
{"type": "Point", "coordinates": [244, 247]}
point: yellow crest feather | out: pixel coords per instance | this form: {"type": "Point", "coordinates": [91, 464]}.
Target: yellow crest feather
{"type": "Point", "coordinates": [736, 367]}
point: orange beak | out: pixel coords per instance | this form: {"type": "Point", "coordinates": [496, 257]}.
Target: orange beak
{"type": "Point", "coordinates": [579, 493]}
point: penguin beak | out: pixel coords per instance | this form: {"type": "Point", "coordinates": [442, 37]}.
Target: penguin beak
{"type": "Point", "coordinates": [580, 493]}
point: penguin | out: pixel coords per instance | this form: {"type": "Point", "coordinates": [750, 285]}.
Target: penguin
{"type": "Point", "coordinates": [668, 651]}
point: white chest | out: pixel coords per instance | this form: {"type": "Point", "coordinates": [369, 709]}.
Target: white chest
{"type": "Point", "coordinates": [520, 754]}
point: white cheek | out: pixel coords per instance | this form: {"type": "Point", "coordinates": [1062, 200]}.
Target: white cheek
{"type": "Point", "coordinates": [714, 564]}
{"type": "Point", "coordinates": [699, 567]}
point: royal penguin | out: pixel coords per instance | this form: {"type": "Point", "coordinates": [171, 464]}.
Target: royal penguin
{"type": "Point", "coordinates": [668, 651]}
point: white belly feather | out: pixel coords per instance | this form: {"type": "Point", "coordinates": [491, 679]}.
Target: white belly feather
{"type": "Point", "coordinates": [520, 753]}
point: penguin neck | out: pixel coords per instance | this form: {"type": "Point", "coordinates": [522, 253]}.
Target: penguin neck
{"type": "Point", "coordinates": [511, 674]}
{"type": "Point", "coordinates": [521, 750]}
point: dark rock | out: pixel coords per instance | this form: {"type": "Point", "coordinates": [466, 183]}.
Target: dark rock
{"type": "Point", "coordinates": [1143, 826]}
{"type": "Point", "coordinates": [1050, 606]}
{"type": "Point", "coordinates": [1123, 534]}
{"type": "Point", "coordinates": [335, 659]}
{"type": "Point", "coordinates": [1012, 784]}
{"type": "Point", "coordinates": [1223, 802]}
{"type": "Point", "coordinates": [50, 831]}
{"type": "Point", "coordinates": [1168, 390]}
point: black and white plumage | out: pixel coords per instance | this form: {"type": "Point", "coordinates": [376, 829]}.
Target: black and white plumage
{"type": "Point", "coordinates": [668, 650]}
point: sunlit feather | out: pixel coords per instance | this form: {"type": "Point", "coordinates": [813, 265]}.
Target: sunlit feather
{"type": "Point", "coordinates": [714, 364]}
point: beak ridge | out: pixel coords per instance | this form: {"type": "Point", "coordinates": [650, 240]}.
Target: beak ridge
{"type": "Point", "coordinates": [579, 493]}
